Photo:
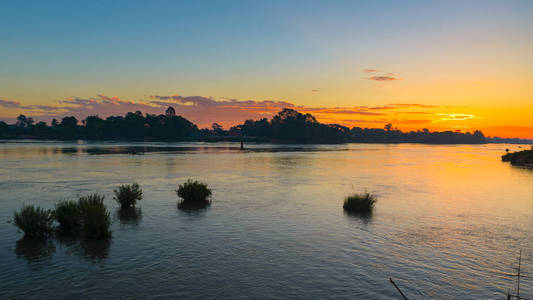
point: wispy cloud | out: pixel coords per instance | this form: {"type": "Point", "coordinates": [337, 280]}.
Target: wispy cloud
{"type": "Point", "coordinates": [9, 104]}
{"type": "Point", "coordinates": [337, 111]}
{"type": "Point", "coordinates": [405, 105]}
{"type": "Point", "coordinates": [203, 110]}
{"type": "Point", "coordinates": [228, 112]}
{"type": "Point", "coordinates": [385, 121]}
{"type": "Point", "coordinates": [382, 78]}
{"type": "Point", "coordinates": [455, 117]}
{"type": "Point", "coordinates": [417, 113]}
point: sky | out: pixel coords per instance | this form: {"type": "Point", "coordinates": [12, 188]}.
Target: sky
{"type": "Point", "coordinates": [441, 65]}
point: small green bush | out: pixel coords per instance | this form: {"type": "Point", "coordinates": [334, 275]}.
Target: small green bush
{"type": "Point", "coordinates": [67, 213]}
{"type": "Point", "coordinates": [360, 203]}
{"type": "Point", "coordinates": [194, 192]}
{"type": "Point", "coordinates": [128, 195]}
{"type": "Point", "coordinates": [35, 222]}
{"type": "Point", "coordinates": [95, 219]}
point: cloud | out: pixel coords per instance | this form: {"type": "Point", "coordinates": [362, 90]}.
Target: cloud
{"type": "Point", "coordinates": [404, 105]}
{"type": "Point", "coordinates": [204, 111]}
{"type": "Point", "coordinates": [201, 110]}
{"type": "Point", "coordinates": [417, 113]}
{"type": "Point", "coordinates": [399, 106]}
{"type": "Point", "coordinates": [354, 122]}
{"type": "Point", "coordinates": [16, 104]}
{"type": "Point", "coordinates": [228, 112]}
{"type": "Point", "coordinates": [9, 104]}
{"type": "Point", "coordinates": [340, 111]}
{"type": "Point", "coordinates": [382, 78]}
{"type": "Point", "coordinates": [455, 117]}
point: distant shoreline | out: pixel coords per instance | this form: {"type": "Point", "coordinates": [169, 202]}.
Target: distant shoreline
{"type": "Point", "coordinates": [287, 127]}
{"type": "Point", "coordinates": [253, 140]}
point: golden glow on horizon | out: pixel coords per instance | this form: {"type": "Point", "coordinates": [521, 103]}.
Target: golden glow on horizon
{"type": "Point", "coordinates": [493, 121]}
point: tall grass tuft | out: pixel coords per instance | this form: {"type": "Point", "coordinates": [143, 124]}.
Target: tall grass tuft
{"type": "Point", "coordinates": [34, 221]}
{"type": "Point", "coordinates": [193, 193]}
{"type": "Point", "coordinates": [67, 213]}
{"type": "Point", "coordinates": [360, 203]}
{"type": "Point", "coordinates": [128, 195]}
{"type": "Point", "coordinates": [95, 218]}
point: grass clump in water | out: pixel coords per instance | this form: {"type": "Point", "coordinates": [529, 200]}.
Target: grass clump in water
{"type": "Point", "coordinates": [34, 221]}
{"type": "Point", "coordinates": [128, 195]}
{"type": "Point", "coordinates": [95, 219]}
{"type": "Point", "coordinates": [360, 203]}
{"type": "Point", "coordinates": [68, 214]}
{"type": "Point", "coordinates": [195, 194]}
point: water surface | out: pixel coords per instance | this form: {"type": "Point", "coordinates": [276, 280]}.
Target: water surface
{"type": "Point", "coordinates": [449, 223]}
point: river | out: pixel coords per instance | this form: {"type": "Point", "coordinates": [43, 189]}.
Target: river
{"type": "Point", "coordinates": [449, 222]}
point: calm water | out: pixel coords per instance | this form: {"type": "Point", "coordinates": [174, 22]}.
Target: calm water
{"type": "Point", "coordinates": [449, 223]}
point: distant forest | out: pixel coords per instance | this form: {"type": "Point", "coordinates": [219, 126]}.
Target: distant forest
{"type": "Point", "coordinates": [288, 126]}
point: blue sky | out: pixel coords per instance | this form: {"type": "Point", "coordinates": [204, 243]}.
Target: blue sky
{"type": "Point", "coordinates": [276, 50]}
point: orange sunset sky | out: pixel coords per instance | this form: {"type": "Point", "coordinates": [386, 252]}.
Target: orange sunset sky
{"type": "Point", "coordinates": [444, 65]}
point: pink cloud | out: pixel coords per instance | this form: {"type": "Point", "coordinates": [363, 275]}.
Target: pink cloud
{"type": "Point", "coordinates": [382, 78]}
{"type": "Point", "coordinates": [203, 111]}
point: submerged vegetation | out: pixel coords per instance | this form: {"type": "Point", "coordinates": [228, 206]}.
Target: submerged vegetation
{"type": "Point", "coordinates": [520, 158]}
{"type": "Point", "coordinates": [360, 203]}
{"type": "Point", "coordinates": [87, 217]}
{"type": "Point", "coordinates": [128, 195]}
{"type": "Point", "coordinates": [34, 221]}
{"type": "Point", "coordinates": [67, 213]}
{"type": "Point", "coordinates": [95, 218]}
{"type": "Point", "coordinates": [195, 194]}
{"type": "Point", "coordinates": [288, 126]}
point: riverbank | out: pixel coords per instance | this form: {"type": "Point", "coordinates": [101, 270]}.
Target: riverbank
{"type": "Point", "coordinates": [520, 158]}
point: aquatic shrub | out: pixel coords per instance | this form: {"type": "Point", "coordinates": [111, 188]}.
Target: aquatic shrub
{"type": "Point", "coordinates": [128, 195]}
{"type": "Point", "coordinates": [34, 221]}
{"type": "Point", "coordinates": [67, 213]}
{"type": "Point", "coordinates": [193, 193]}
{"type": "Point", "coordinates": [360, 203]}
{"type": "Point", "coordinates": [95, 219]}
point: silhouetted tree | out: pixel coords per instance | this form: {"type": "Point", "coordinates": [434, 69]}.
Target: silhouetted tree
{"type": "Point", "coordinates": [288, 126]}
{"type": "Point", "coordinates": [170, 112]}
{"type": "Point", "coordinates": [24, 122]}
{"type": "Point", "coordinates": [217, 129]}
{"type": "Point", "coordinates": [69, 122]}
{"type": "Point", "coordinates": [94, 127]}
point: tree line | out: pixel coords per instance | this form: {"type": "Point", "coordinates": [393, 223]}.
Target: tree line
{"type": "Point", "coordinates": [288, 126]}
